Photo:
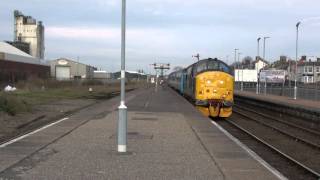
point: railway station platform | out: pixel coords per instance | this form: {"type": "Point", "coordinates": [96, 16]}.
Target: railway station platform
{"type": "Point", "coordinates": [167, 139]}
{"type": "Point", "coordinates": [300, 107]}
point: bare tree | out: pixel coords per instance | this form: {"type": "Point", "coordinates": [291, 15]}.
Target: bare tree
{"type": "Point", "coordinates": [247, 62]}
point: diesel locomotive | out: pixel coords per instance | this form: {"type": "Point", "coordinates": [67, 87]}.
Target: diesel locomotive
{"type": "Point", "coordinates": [208, 84]}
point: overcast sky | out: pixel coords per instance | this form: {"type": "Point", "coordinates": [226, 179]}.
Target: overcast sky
{"type": "Point", "coordinates": [168, 31]}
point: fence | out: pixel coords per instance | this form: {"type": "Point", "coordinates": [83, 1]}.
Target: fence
{"type": "Point", "coordinates": [304, 91]}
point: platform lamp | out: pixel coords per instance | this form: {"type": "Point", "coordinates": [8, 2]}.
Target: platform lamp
{"type": "Point", "coordinates": [296, 69]}
{"type": "Point", "coordinates": [241, 85]}
{"type": "Point", "coordinates": [122, 122]}
{"type": "Point", "coordinates": [235, 62]}
{"type": "Point", "coordinates": [258, 55]}
{"type": "Point", "coordinates": [264, 58]}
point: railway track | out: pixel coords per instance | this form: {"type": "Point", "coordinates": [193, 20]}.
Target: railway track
{"type": "Point", "coordinates": [299, 133]}
{"type": "Point", "coordinates": [293, 150]}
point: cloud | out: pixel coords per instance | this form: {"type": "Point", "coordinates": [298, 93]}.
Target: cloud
{"type": "Point", "coordinates": [82, 33]}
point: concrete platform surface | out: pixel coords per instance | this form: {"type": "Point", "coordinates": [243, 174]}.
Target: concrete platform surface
{"type": "Point", "coordinates": [167, 139]}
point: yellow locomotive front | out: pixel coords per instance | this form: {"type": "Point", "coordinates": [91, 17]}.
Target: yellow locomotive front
{"type": "Point", "coordinates": [214, 91]}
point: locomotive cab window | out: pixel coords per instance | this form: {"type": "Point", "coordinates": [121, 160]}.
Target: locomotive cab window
{"type": "Point", "coordinates": [213, 65]}
{"type": "Point", "coordinates": [224, 68]}
{"type": "Point", "coordinates": [202, 66]}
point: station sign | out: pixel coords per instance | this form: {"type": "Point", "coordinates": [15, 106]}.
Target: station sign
{"type": "Point", "coordinates": [272, 76]}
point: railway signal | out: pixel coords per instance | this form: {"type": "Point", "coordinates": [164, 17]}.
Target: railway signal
{"type": "Point", "coordinates": [197, 56]}
{"type": "Point", "coordinates": [162, 67]}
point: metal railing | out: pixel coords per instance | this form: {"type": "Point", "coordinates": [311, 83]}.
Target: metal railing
{"type": "Point", "coordinates": [305, 91]}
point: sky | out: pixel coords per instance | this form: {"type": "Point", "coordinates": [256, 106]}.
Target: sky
{"type": "Point", "coordinates": [168, 31]}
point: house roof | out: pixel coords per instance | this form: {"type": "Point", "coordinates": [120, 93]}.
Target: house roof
{"type": "Point", "coordinates": [260, 59]}
{"type": "Point", "coordinates": [309, 63]}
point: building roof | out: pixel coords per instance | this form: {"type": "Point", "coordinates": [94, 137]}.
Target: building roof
{"type": "Point", "coordinates": [260, 59]}
{"type": "Point", "coordinates": [309, 63]}
{"type": "Point", "coordinates": [9, 49]}
{"type": "Point", "coordinates": [73, 61]}
{"type": "Point", "coordinates": [11, 53]}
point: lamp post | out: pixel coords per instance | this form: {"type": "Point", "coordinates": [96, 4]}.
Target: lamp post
{"type": "Point", "coordinates": [296, 69]}
{"type": "Point", "coordinates": [258, 55]}
{"type": "Point", "coordinates": [227, 59]}
{"type": "Point", "coordinates": [235, 62]}
{"type": "Point", "coordinates": [264, 58]}
{"type": "Point", "coordinates": [122, 122]}
{"type": "Point", "coordinates": [241, 85]}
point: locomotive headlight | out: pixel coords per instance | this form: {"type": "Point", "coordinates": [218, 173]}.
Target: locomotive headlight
{"type": "Point", "coordinates": [208, 81]}
{"type": "Point", "coordinates": [221, 82]}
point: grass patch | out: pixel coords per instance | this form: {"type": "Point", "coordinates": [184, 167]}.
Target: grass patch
{"type": "Point", "coordinates": [12, 105]}
{"type": "Point", "coordinates": [23, 100]}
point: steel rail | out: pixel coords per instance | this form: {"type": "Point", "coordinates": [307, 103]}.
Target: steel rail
{"type": "Point", "coordinates": [281, 121]}
{"type": "Point", "coordinates": [291, 159]}
{"type": "Point", "coordinates": [299, 139]}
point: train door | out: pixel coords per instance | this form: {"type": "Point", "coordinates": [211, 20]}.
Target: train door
{"type": "Point", "coordinates": [181, 82]}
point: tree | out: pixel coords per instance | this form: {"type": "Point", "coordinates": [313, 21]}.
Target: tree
{"type": "Point", "coordinates": [247, 62]}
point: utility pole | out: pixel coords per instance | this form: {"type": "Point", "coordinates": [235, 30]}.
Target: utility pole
{"type": "Point", "coordinates": [122, 122]}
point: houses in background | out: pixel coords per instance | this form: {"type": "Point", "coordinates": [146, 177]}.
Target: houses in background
{"type": "Point", "coordinates": [308, 70]}
{"type": "Point", "coordinates": [250, 73]}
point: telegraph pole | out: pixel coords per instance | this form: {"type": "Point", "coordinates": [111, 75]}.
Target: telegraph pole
{"type": "Point", "coordinates": [122, 123]}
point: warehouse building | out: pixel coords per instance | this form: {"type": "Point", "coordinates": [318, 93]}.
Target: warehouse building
{"type": "Point", "coordinates": [102, 75]}
{"type": "Point", "coordinates": [67, 69]}
{"type": "Point", "coordinates": [16, 65]}
{"type": "Point", "coordinates": [130, 75]}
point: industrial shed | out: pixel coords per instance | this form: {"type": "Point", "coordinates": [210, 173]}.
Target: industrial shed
{"type": "Point", "coordinates": [16, 65]}
{"type": "Point", "coordinates": [67, 69]}
{"type": "Point", "coordinates": [131, 75]}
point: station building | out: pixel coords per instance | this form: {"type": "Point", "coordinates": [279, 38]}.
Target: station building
{"type": "Point", "coordinates": [67, 69]}
{"type": "Point", "coordinates": [16, 65]}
